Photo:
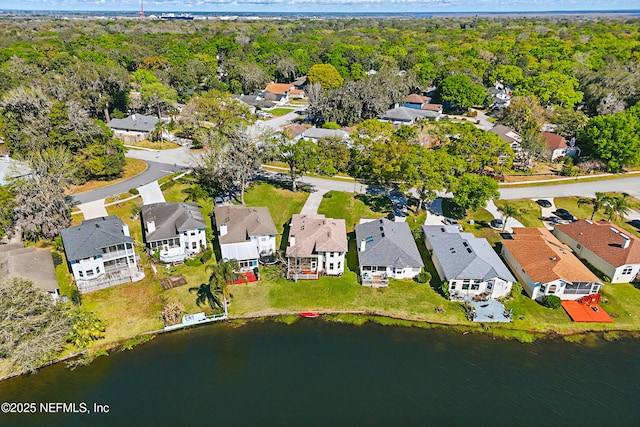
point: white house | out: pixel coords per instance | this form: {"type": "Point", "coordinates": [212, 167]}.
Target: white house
{"type": "Point", "coordinates": [176, 230]}
{"type": "Point", "coordinates": [133, 128]}
{"type": "Point", "coordinates": [612, 250]}
{"type": "Point", "coordinates": [245, 234]}
{"type": "Point", "coordinates": [545, 266]}
{"type": "Point", "coordinates": [100, 254]}
{"type": "Point", "coordinates": [317, 245]}
{"type": "Point", "coordinates": [469, 264]}
{"type": "Point", "coordinates": [386, 250]}
{"type": "Point", "coordinates": [558, 146]}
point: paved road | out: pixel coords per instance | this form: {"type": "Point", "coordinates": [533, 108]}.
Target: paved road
{"type": "Point", "coordinates": [154, 171]}
{"type": "Point", "coordinates": [629, 185]}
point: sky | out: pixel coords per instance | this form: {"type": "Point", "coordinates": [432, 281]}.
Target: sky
{"type": "Point", "coordinates": [310, 6]}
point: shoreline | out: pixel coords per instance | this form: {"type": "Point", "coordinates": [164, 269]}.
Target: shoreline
{"type": "Point", "coordinates": [336, 316]}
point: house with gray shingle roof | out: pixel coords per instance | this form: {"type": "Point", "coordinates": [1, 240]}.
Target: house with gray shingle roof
{"type": "Point", "coordinates": [406, 115]}
{"type": "Point", "coordinates": [317, 245]}
{"type": "Point", "coordinates": [469, 264]}
{"type": "Point", "coordinates": [314, 134]}
{"type": "Point", "coordinates": [386, 250]}
{"type": "Point", "coordinates": [245, 234]}
{"type": "Point", "coordinates": [136, 127]}
{"type": "Point", "coordinates": [100, 254]}
{"type": "Point", "coordinates": [29, 263]}
{"type": "Point", "coordinates": [176, 230]}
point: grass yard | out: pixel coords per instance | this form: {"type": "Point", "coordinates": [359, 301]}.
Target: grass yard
{"type": "Point", "coordinates": [351, 208]}
{"type": "Point", "coordinates": [128, 309]}
{"type": "Point", "coordinates": [277, 112]}
{"type": "Point", "coordinates": [154, 145]}
{"type": "Point", "coordinates": [281, 203]}
{"type": "Point", "coordinates": [529, 212]}
{"type": "Point", "coordinates": [132, 168]}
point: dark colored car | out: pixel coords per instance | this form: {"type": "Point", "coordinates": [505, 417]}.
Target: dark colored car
{"type": "Point", "coordinates": [635, 223]}
{"type": "Point", "coordinates": [544, 203]}
{"type": "Point", "coordinates": [564, 214]}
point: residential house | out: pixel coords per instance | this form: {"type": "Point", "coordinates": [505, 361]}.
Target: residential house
{"type": "Point", "coordinates": [545, 266]}
{"type": "Point", "coordinates": [522, 158]}
{"type": "Point", "coordinates": [501, 95]}
{"type": "Point", "coordinates": [421, 102]}
{"type": "Point", "coordinates": [314, 134]}
{"type": "Point", "coordinates": [612, 250]}
{"type": "Point", "coordinates": [283, 92]}
{"type": "Point", "coordinates": [134, 128]}
{"type": "Point", "coordinates": [245, 234]}
{"type": "Point", "coordinates": [558, 146]}
{"type": "Point", "coordinates": [469, 264]}
{"type": "Point", "coordinates": [255, 102]}
{"type": "Point", "coordinates": [30, 263]}
{"type": "Point", "coordinates": [386, 250]}
{"type": "Point", "coordinates": [175, 230]}
{"type": "Point", "coordinates": [100, 254]}
{"type": "Point", "coordinates": [407, 116]}
{"type": "Point", "coordinates": [316, 245]}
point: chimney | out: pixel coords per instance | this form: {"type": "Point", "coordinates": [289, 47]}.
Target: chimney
{"type": "Point", "coordinates": [125, 230]}
{"type": "Point", "coordinates": [151, 226]}
{"type": "Point", "coordinates": [223, 230]}
{"type": "Point", "coordinates": [363, 245]}
{"type": "Point", "coordinates": [133, 117]}
{"type": "Point", "coordinates": [625, 242]}
{"type": "Point", "coordinates": [292, 241]}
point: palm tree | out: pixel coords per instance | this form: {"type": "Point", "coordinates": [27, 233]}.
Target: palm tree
{"type": "Point", "coordinates": [597, 203]}
{"type": "Point", "coordinates": [508, 210]}
{"type": "Point", "coordinates": [617, 207]}
{"type": "Point", "coordinates": [222, 275]}
{"type": "Point", "coordinates": [158, 131]}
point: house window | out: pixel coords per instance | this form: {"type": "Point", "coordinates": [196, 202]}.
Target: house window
{"type": "Point", "coordinates": [263, 239]}
{"type": "Point", "coordinates": [89, 273]}
{"type": "Point", "coordinates": [475, 286]}
{"type": "Point", "coordinates": [452, 286]}
{"type": "Point", "coordinates": [331, 266]}
{"type": "Point", "coordinates": [465, 285]}
{"type": "Point", "coordinates": [339, 265]}
{"type": "Point", "coordinates": [193, 233]}
{"type": "Point", "coordinates": [81, 273]}
{"type": "Point", "coordinates": [627, 270]}
{"type": "Point", "coordinates": [552, 289]}
{"type": "Point", "coordinates": [97, 270]}
{"type": "Point", "coordinates": [194, 245]}
{"type": "Point", "coordinates": [579, 246]}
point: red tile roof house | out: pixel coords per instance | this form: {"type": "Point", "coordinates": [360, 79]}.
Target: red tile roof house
{"type": "Point", "coordinates": [544, 266]}
{"type": "Point", "coordinates": [613, 251]}
{"type": "Point", "coordinates": [558, 146]}
{"type": "Point", "coordinates": [317, 245]}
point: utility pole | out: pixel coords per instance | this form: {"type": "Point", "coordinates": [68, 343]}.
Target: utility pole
{"type": "Point", "coordinates": [141, 13]}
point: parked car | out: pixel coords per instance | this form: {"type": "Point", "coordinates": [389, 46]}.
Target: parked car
{"type": "Point", "coordinates": [544, 203]}
{"type": "Point", "coordinates": [635, 223]}
{"type": "Point", "coordinates": [564, 214]}
{"type": "Point", "coordinates": [451, 221]}
{"type": "Point", "coordinates": [496, 224]}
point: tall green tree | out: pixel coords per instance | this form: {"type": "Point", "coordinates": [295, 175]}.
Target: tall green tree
{"type": "Point", "coordinates": [473, 191]}
{"type": "Point", "coordinates": [460, 91]}
{"type": "Point", "coordinates": [301, 156]}
{"type": "Point", "coordinates": [326, 75]}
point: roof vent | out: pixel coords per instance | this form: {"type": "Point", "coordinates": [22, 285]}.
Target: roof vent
{"type": "Point", "coordinates": [614, 230]}
{"type": "Point", "coordinates": [469, 250]}
{"type": "Point", "coordinates": [588, 221]}
{"type": "Point", "coordinates": [553, 258]}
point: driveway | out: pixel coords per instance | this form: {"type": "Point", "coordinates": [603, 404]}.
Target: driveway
{"type": "Point", "coordinates": [547, 213]}
{"type": "Point", "coordinates": [151, 193]}
{"type": "Point", "coordinates": [313, 202]}
{"type": "Point", "coordinates": [94, 209]}
{"type": "Point", "coordinates": [434, 212]}
{"type": "Point", "coordinates": [510, 223]}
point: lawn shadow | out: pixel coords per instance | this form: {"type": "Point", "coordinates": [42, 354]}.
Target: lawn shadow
{"type": "Point", "coordinates": [285, 237]}
{"type": "Point", "coordinates": [352, 254]}
{"type": "Point", "coordinates": [376, 203]}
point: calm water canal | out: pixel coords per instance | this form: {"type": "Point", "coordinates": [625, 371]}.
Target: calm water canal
{"type": "Point", "coordinates": [314, 373]}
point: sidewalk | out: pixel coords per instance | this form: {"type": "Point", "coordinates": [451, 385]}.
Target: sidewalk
{"type": "Point", "coordinates": [313, 202]}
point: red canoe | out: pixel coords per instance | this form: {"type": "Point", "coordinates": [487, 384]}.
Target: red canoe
{"type": "Point", "coordinates": [309, 314]}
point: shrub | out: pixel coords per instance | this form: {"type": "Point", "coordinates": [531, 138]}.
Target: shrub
{"type": "Point", "coordinates": [445, 289]}
{"type": "Point", "coordinates": [327, 195]}
{"type": "Point", "coordinates": [516, 290]}
{"type": "Point", "coordinates": [134, 191]}
{"type": "Point", "coordinates": [206, 256]}
{"type": "Point", "coordinates": [57, 258]}
{"type": "Point", "coordinates": [551, 301]}
{"type": "Point", "coordinates": [193, 262]}
{"type": "Point", "coordinates": [423, 277]}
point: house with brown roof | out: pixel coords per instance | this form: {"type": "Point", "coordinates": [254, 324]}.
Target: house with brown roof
{"type": "Point", "coordinates": [610, 249]}
{"type": "Point", "coordinates": [30, 263]}
{"type": "Point", "coordinates": [245, 234]}
{"type": "Point", "coordinates": [316, 245]}
{"type": "Point", "coordinates": [284, 91]}
{"type": "Point", "coordinates": [546, 266]}
{"type": "Point", "coordinates": [558, 146]}
{"type": "Point", "coordinates": [421, 102]}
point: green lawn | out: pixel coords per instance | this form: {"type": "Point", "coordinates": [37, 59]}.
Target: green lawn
{"type": "Point", "coordinates": [529, 212]}
{"type": "Point", "coordinates": [280, 202]}
{"type": "Point", "coordinates": [351, 208]}
{"type": "Point", "coordinates": [280, 111]}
